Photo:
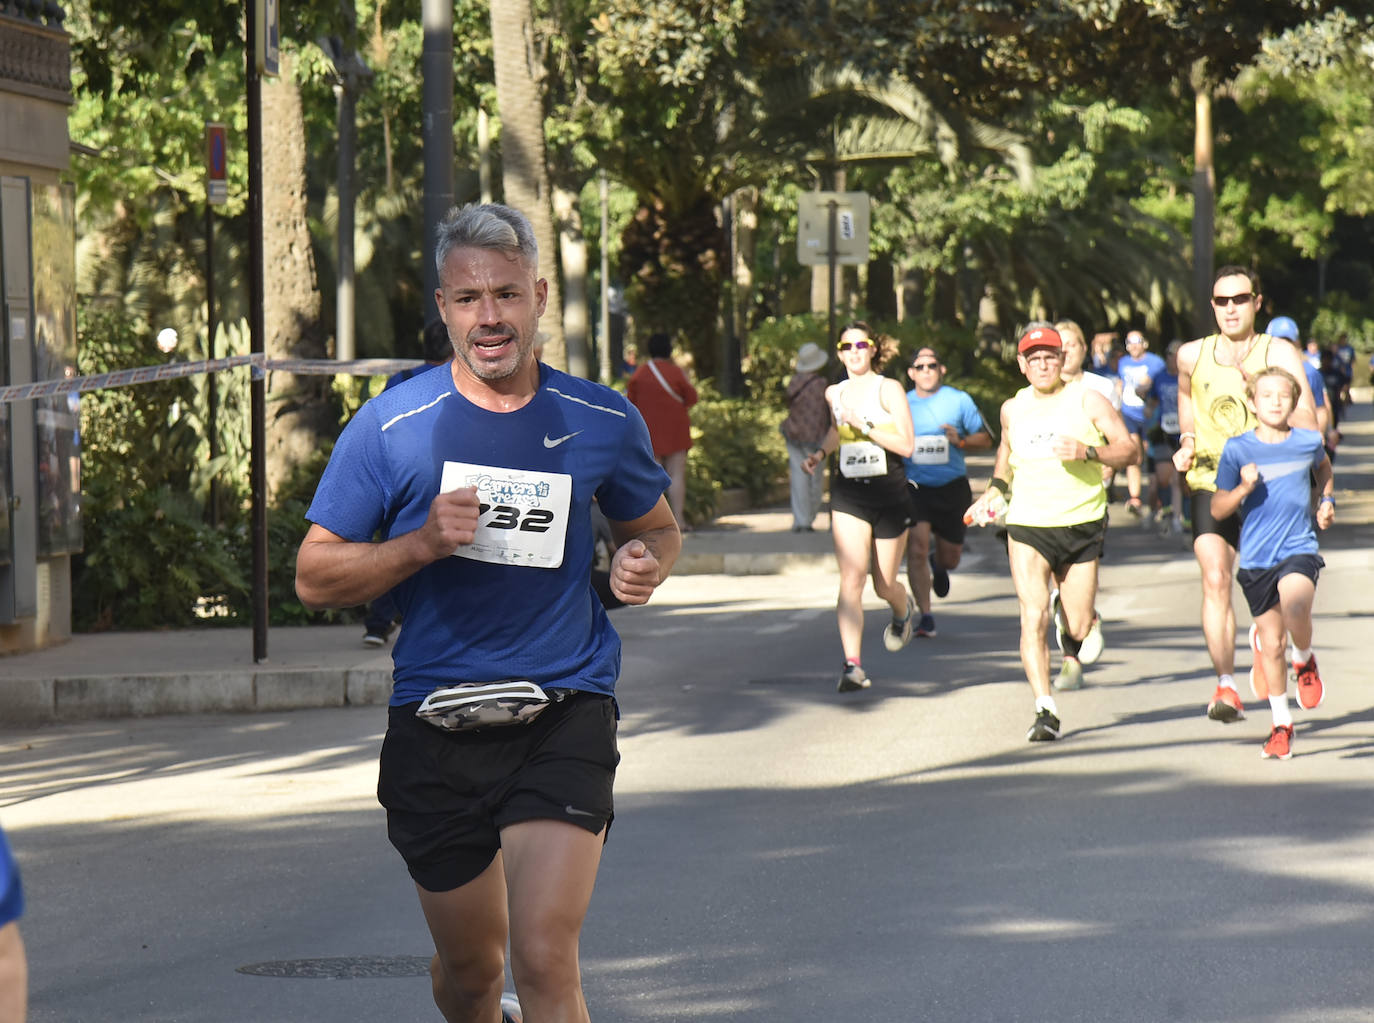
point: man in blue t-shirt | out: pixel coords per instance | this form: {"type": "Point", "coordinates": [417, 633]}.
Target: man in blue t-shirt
{"type": "Point", "coordinates": [438, 350]}
{"type": "Point", "coordinates": [14, 969]}
{"type": "Point", "coordinates": [1267, 474]}
{"type": "Point", "coordinates": [1137, 370]}
{"type": "Point", "coordinates": [500, 754]}
{"type": "Point", "coordinates": [947, 425]}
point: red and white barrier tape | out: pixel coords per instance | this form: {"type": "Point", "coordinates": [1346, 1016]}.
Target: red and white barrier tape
{"type": "Point", "coordinates": [260, 364]}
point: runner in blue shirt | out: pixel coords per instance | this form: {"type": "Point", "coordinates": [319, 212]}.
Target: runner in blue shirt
{"type": "Point", "coordinates": [1163, 435]}
{"type": "Point", "coordinates": [14, 970]}
{"type": "Point", "coordinates": [1136, 369]}
{"type": "Point", "coordinates": [1267, 474]}
{"type": "Point", "coordinates": [948, 425]}
{"type": "Point", "coordinates": [480, 479]}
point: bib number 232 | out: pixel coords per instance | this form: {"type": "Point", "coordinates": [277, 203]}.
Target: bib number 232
{"type": "Point", "coordinates": [523, 514]}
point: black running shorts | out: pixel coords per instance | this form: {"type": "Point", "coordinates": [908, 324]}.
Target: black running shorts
{"type": "Point", "coordinates": [1203, 522]}
{"type": "Point", "coordinates": [885, 507]}
{"type": "Point", "coordinates": [1063, 546]}
{"type": "Point", "coordinates": [943, 507]}
{"type": "Point", "coordinates": [449, 794]}
{"type": "Point", "coordinates": [1261, 585]}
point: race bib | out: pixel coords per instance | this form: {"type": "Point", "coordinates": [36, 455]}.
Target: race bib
{"type": "Point", "coordinates": [931, 450]}
{"type": "Point", "coordinates": [1168, 422]}
{"type": "Point", "coordinates": [1036, 445]}
{"type": "Point", "coordinates": [862, 459]}
{"type": "Point", "coordinates": [524, 515]}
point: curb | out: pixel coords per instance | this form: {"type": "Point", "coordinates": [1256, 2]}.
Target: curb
{"type": "Point", "coordinates": [81, 698]}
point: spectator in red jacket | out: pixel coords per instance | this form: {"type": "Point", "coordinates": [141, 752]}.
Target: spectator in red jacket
{"type": "Point", "coordinates": [663, 394]}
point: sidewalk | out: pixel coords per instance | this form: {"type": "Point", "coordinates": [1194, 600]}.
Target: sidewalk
{"type": "Point", "coordinates": [123, 674]}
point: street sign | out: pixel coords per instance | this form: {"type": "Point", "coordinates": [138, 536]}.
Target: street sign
{"type": "Point", "coordinates": [268, 37]}
{"type": "Point", "coordinates": [850, 239]}
{"type": "Point", "coordinates": [216, 164]}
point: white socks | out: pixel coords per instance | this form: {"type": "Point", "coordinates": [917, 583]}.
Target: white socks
{"type": "Point", "coordinates": [1279, 705]}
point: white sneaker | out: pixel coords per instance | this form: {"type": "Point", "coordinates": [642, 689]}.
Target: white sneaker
{"type": "Point", "coordinates": [898, 633]}
{"type": "Point", "coordinates": [1093, 642]}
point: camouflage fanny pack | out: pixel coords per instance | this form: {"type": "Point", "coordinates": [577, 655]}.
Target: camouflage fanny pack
{"type": "Point", "coordinates": [471, 705]}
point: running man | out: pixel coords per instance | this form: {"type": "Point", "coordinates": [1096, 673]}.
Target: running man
{"type": "Point", "coordinates": [1056, 437]}
{"type": "Point", "coordinates": [947, 425]}
{"type": "Point", "coordinates": [870, 503]}
{"type": "Point", "coordinates": [1266, 475]}
{"type": "Point", "coordinates": [1162, 434]}
{"type": "Point", "coordinates": [14, 966]}
{"type": "Point", "coordinates": [1212, 374]}
{"type": "Point", "coordinates": [481, 479]}
{"type": "Point", "coordinates": [1137, 369]}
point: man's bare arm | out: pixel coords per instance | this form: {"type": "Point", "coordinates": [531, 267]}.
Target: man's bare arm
{"type": "Point", "coordinates": [334, 572]}
{"type": "Point", "coordinates": [647, 548]}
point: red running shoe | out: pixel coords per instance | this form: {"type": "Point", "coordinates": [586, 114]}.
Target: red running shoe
{"type": "Point", "coordinates": [1280, 743]}
{"type": "Point", "coordinates": [1226, 706]}
{"type": "Point", "coordinates": [1310, 688]}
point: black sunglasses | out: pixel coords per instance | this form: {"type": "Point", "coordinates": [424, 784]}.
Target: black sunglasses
{"type": "Point", "coordinates": [925, 365]}
{"type": "Point", "coordinates": [1222, 301]}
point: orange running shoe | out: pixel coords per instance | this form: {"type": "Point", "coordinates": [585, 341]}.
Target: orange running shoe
{"type": "Point", "coordinates": [1310, 688]}
{"type": "Point", "coordinates": [1280, 744]}
{"type": "Point", "coordinates": [1226, 706]}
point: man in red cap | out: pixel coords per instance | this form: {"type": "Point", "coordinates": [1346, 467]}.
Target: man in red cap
{"type": "Point", "coordinates": [1056, 437]}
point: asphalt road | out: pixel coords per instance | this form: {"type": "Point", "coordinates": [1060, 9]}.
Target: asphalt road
{"type": "Point", "coordinates": [780, 852]}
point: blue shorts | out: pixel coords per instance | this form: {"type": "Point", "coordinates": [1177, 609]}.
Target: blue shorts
{"type": "Point", "coordinates": [1261, 585]}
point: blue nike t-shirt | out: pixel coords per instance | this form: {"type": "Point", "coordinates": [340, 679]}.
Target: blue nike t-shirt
{"type": "Point", "coordinates": [1276, 517]}
{"type": "Point", "coordinates": [517, 602]}
{"type": "Point", "coordinates": [11, 891]}
{"type": "Point", "coordinates": [935, 461]}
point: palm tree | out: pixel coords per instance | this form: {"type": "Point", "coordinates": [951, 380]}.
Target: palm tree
{"type": "Point", "coordinates": [524, 173]}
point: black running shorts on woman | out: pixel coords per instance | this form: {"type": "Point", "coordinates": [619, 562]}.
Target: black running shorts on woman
{"type": "Point", "coordinates": [449, 794]}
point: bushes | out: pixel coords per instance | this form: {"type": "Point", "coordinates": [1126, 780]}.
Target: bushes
{"type": "Point", "coordinates": [734, 444]}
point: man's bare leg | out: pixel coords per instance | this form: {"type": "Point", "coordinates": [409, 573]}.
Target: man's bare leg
{"type": "Point", "coordinates": [1217, 559]}
{"type": "Point", "coordinates": [1030, 575]}
{"type": "Point", "coordinates": [551, 871]}
{"type": "Point", "coordinates": [469, 926]}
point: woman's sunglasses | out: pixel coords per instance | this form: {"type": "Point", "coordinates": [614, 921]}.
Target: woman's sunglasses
{"type": "Point", "coordinates": [844, 346]}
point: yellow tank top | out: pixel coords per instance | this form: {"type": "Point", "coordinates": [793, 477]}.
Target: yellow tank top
{"type": "Point", "coordinates": [1044, 490]}
{"type": "Point", "coordinates": [1219, 409]}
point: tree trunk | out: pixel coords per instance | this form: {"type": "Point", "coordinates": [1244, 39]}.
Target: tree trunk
{"type": "Point", "coordinates": [572, 246]}
{"type": "Point", "coordinates": [1204, 201]}
{"type": "Point", "coordinates": [524, 174]}
{"type": "Point", "coordinates": [298, 407]}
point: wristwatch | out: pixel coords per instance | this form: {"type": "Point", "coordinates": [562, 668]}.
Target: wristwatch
{"type": "Point", "coordinates": [1090, 454]}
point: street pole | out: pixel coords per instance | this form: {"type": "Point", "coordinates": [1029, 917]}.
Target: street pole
{"type": "Point", "coordinates": [831, 257]}
{"type": "Point", "coordinates": [257, 331]}
{"type": "Point", "coordinates": [436, 68]}
{"type": "Point", "coordinates": [211, 386]}
{"type": "Point", "coordinates": [607, 369]}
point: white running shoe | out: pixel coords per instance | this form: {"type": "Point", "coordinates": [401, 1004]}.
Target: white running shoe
{"type": "Point", "coordinates": [898, 634]}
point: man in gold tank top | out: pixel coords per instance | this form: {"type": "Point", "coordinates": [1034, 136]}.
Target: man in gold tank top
{"type": "Point", "coordinates": [1056, 437]}
{"type": "Point", "coordinates": [1212, 373]}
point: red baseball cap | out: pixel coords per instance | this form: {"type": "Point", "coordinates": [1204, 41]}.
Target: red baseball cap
{"type": "Point", "coordinates": [1039, 337]}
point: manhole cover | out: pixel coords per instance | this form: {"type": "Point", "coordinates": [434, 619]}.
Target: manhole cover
{"type": "Point", "coordinates": [342, 967]}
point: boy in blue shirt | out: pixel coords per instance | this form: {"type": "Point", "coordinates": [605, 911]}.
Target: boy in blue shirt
{"type": "Point", "coordinates": [1267, 474]}
{"type": "Point", "coordinates": [14, 971]}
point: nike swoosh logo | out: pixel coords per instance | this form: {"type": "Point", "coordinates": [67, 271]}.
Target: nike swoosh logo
{"type": "Point", "coordinates": [571, 810]}
{"type": "Point", "coordinates": [550, 443]}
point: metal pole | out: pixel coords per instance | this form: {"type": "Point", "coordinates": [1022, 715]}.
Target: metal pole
{"type": "Point", "coordinates": [607, 368]}
{"type": "Point", "coordinates": [343, 298]}
{"type": "Point", "coordinates": [830, 255]}
{"type": "Point", "coordinates": [211, 384]}
{"type": "Point", "coordinates": [257, 332]}
{"type": "Point", "coordinates": [436, 67]}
